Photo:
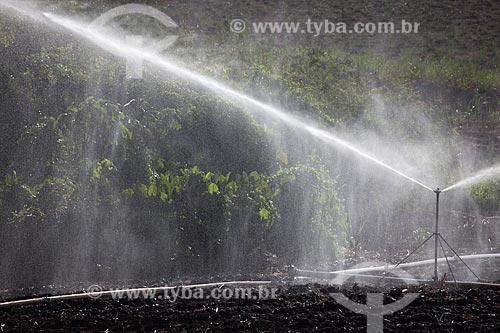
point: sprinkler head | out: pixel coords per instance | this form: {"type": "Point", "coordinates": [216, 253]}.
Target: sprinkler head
{"type": "Point", "coordinates": [437, 191]}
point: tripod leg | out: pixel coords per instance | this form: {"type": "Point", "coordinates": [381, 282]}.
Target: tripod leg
{"type": "Point", "coordinates": [463, 262]}
{"type": "Point", "coordinates": [446, 257]}
{"type": "Point", "coordinates": [409, 255]}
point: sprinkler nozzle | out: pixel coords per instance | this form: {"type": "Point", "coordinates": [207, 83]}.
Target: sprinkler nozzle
{"type": "Point", "coordinates": [437, 191]}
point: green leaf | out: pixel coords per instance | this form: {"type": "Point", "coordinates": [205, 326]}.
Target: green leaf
{"type": "Point", "coordinates": [144, 190]}
{"type": "Point", "coordinates": [165, 178]}
{"type": "Point", "coordinates": [126, 133]}
{"type": "Point", "coordinates": [264, 214]}
{"type": "Point", "coordinates": [153, 190]}
{"type": "Point", "coordinates": [129, 191]}
{"type": "Point", "coordinates": [163, 196]}
{"type": "Point", "coordinates": [244, 177]}
{"type": "Point", "coordinates": [220, 179]}
{"type": "Point", "coordinates": [213, 188]}
{"type": "Point", "coordinates": [232, 186]}
{"type": "Point", "coordinates": [255, 175]}
{"type": "Point", "coordinates": [160, 164]}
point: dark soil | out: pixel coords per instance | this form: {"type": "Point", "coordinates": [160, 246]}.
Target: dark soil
{"type": "Point", "coordinates": [297, 308]}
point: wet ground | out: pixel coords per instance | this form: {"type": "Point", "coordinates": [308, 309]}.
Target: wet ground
{"type": "Point", "coordinates": [295, 308]}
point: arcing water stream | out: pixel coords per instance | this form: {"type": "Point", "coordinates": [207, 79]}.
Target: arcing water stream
{"type": "Point", "coordinates": [124, 50]}
{"type": "Point", "coordinates": [479, 177]}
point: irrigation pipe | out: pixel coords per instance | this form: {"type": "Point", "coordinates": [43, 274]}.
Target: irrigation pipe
{"type": "Point", "coordinates": [330, 276]}
{"type": "Point", "coordinates": [110, 293]}
{"type": "Point", "coordinates": [410, 264]}
{"type": "Point", "coordinates": [298, 274]}
{"type": "Point", "coordinates": [301, 274]}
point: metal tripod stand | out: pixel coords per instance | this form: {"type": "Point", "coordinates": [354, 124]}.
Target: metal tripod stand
{"type": "Point", "coordinates": [438, 240]}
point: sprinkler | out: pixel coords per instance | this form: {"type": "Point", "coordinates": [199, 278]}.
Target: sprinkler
{"type": "Point", "coordinates": [436, 239]}
{"type": "Point", "coordinates": [438, 244]}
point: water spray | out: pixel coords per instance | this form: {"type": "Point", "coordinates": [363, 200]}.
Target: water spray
{"type": "Point", "coordinates": [438, 244]}
{"type": "Point", "coordinates": [171, 67]}
{"type": "Point", "coordinates": [120, 48]}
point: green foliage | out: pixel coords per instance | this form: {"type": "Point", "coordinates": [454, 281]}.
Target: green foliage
{"type": "Point", "coordinates": [56, 65]}
{"type": "Point", "coordinates": [47, 201]}
{"type": "Point", "coordinates": [7, 38]}
{"type": "Point", "coordinates": [420, 234]}
{"type": "Point", "coordinates": [233, 192]}
{"type": "Point", "coordinates": [11, 179]}
{"type": "Point", "coordinates": [487, 196]}
{"type": "Point", "coordinates": [213, 188]}
{"type": "Point", "coordinates": [352, 238]}
{"type": "Point", "coordinates": [166, 153]}
{"type": "Point", "coordinates": [100, 166]}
